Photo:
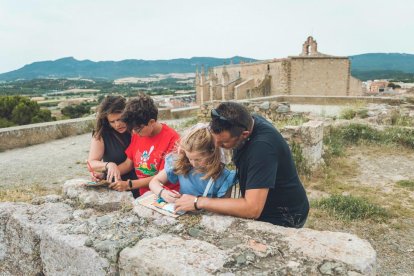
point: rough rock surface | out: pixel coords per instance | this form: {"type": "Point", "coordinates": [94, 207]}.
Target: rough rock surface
{"type": "Point", "coordinates": [87, 232]}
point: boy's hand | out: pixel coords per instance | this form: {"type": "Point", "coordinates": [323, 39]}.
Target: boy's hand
{"type": "Point", "coordinates": [119, 186]}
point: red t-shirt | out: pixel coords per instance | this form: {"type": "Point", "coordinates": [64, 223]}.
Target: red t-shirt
{"type": "Point", "coordinates": [148, 154]}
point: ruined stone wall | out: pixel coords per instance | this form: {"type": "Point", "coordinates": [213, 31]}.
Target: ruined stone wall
{"type": "Point", "coordinates": [97, 231]}
{"type": "Point", "coordinates": [280, 72]}
{"type": "Point", "coordinates": [309, 136]}
{"type": "Point", "coordinates": [319, 76]}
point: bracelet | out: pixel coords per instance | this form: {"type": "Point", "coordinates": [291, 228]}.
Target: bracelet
{"type": "Point", "coordinates": [159, 194]}
{"type": "Point", "coordinates": [195, 203]}
{"type": "Point", "coordinates": [106, 165]}
{"type": "Point", "coordinates": [130, 184]}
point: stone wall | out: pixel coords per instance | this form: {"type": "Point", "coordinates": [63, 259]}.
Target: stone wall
{"type": "Point", "coordinates": [79, 233]}
{"type": "Point", "coordinates": [319, 76]}
{"type": "Point", "coordinates": [22, 136]}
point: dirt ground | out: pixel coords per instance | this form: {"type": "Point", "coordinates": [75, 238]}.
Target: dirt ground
{"type": "Point", "coordinates": [373, 174]}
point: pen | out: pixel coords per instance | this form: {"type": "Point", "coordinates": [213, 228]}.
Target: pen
{"type": "Point", "coordinates": [169, 189]}
{"type": "Point", "coordinates": [90, 169]}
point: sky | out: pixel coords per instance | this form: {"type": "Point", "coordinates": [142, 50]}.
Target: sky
{"type": "Point", "coordinates": [38, 30]}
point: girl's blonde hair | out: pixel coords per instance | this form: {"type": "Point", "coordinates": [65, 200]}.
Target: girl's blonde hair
{"type": "Point", "coordinates": [199, 139]}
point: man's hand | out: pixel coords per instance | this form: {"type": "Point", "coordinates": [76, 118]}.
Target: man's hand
{"type": "Point", "coordinates": [185, 203]}
{"type": "Point", "coordinates": [119, 185]}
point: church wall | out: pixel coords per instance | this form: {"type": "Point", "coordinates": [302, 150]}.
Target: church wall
{"type": "Point", "coordinates": [280, 77]}
{"type": "Point", "coordinates": [355, 87]}
{"type": "Point", "coordinates": [319, 76]}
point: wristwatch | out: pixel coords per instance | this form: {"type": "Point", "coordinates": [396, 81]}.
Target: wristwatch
{"type": "Point", "coordinates": [195, 203]}
{"type": "Point", "coordinates": [130, 184]}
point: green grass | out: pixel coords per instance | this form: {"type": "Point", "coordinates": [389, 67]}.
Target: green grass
{"type": "Point", "coordinates": [295, 120]}
{"type": "Point", "coordinates": [406, 184]}
{"type": "Point", "coordinates": [351, 208]}
{"type": "Point", "coordinates": [339, 138]}
{"type": "Point", "coordinates": [348, 113]}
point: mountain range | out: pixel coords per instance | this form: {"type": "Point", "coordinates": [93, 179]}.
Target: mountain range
{"type": "Point", "coordinates": [362, 66]}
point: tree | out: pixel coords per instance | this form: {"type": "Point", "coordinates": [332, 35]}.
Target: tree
{"type": "Point", "coordinates": [17, 110]}
{"type": "Point", "coordinates": [75, 111]}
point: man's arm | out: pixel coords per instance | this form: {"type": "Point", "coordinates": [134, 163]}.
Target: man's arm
{"type": "Point", "coordinates": [251, 206]}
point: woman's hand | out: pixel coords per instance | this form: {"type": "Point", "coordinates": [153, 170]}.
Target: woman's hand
{"type": "Point", "coordinates": [119, 186]}
{"type": "Point", "coordinates": [185, 203]}
{"type": "Point", "coordinates": [95, 176]}
{"type": "Point", "coordinates": [113, 173]}
{"type": "Point", "coordinates": [170, 196]}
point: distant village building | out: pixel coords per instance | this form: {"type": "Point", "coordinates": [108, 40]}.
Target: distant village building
{"type": "Point", "coordinates": [310, 73]}
{"type": "Point", "coordinates": [378, 86]}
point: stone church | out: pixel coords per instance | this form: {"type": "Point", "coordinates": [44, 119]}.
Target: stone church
{"type": "Point", "coordinates": [311, 73]}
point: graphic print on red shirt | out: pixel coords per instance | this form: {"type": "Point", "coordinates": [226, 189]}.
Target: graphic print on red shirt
{"type": "Point", "coordinates": [148, 153]}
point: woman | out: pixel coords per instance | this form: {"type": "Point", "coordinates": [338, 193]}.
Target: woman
{"type": "Point", "coordinates": [109, 141]}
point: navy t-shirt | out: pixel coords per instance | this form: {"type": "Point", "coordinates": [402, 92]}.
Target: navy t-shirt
{"type": "Point", "coordinates": [265, 161]}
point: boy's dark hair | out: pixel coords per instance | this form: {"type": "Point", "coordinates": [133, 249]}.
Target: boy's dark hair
{"type": "Point", "coordinates": [139, 111]}
{"type": "Point", "coordinates": [232, 117]}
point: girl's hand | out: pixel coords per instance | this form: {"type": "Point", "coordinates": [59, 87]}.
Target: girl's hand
{"type": "Point", "coordinates": [170, 196]}
{"type": "Point", "coordinates": [113, 173]}
{"type": "Point", "coordinates": [119, 186]}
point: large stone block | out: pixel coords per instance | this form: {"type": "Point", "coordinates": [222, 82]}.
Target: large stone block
{"type": "Point", "coordinates": [341, 250]}
{"type": "Point", "coordinates": [21, 235]}
{"type": "Point", "coordinates": [217, 223]}
{"type": "Point", "coordinates": [100, 198]}
{"type": "Point", "coordinates": [64, 254]}
{"type": "Point", "coordinates": [312, 132]}
{"type": "Point", "coordinates": [171, 255]}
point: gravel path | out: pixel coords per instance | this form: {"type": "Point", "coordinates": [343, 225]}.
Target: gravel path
{"type": "Point", "coordinates": [47, 164]}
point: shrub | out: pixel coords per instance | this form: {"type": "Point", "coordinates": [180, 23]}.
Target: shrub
{"type": "Point", "coordinates": [352, 208]}
{"type": "Point", "coordinates": [301, 163]}
{"type": "Point", "coordinates": [362, 113]}
{"type": "Point", "coordinates": [76, 111]}
{"type": "Point", "coordinates": [406, 183]}
{"type": "Point", "coordinates": [348, 113]}
{"type": "Point", "coordinates": [357, 132]}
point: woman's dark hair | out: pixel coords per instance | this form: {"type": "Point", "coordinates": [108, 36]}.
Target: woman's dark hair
{"type": "Point", "coordinates": [109, 105]}
{"type": "Point", "coordinates": [232, 117]}
{"type": "Point", "coordinates": [139, 111]}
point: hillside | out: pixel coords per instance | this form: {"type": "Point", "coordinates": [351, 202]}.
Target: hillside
{"type": "Point", "coordinates": [71, 68]}
{"type": "Point", "coordinates": [364, 66]}
{"type": "Point", "coordinates": [381, 61]}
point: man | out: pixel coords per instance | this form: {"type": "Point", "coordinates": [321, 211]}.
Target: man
{"type": "Point", "coordinates": [269, 183]}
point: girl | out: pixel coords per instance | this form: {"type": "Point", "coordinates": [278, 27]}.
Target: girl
{"type": "Point", "coordinates": [196, 166]}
